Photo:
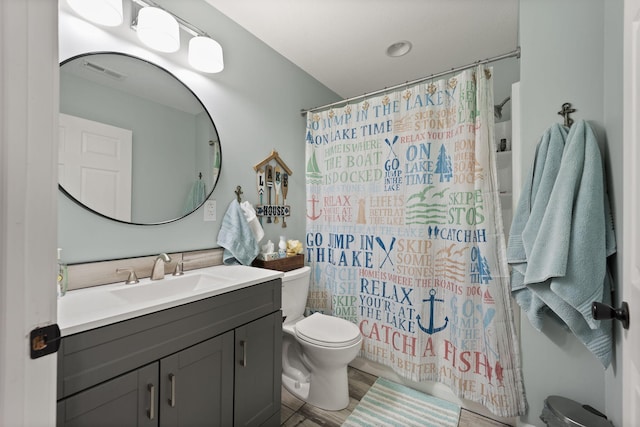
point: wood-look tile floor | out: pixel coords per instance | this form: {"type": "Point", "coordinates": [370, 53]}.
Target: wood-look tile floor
{"type": "Point", "coordinates": [296, 413]}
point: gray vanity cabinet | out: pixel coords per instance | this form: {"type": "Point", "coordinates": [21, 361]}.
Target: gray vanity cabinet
{"type": "Point", "coordinates": [195, 384]}
{"type": "Point", "coordinates": [213, 362]}
{"type": "Point", "coordinates": [258, 348]}
{"type": "Point", "coordinates": [118, 402]}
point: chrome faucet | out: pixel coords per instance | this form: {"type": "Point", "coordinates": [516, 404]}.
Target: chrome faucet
{"type": "Point", "coordinates": [157, 273]}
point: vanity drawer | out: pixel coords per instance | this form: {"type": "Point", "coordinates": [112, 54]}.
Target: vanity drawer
{"type": "Point", "coordinates": [92, 357]}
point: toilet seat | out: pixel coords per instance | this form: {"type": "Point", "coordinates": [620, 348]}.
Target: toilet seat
{"type": "Point", "coordinates": [327, 331]}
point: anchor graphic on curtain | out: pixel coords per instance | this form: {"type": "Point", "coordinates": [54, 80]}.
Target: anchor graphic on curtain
{"type": "Point", "coordinates": [432, 300]}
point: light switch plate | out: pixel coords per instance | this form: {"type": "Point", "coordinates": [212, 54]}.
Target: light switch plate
{"type": "Point", "coordinates": [210, 210]}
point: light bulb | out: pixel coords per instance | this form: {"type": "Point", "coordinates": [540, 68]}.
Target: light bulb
{"type": "Point", "coordinates": [205, 54]}
{"type": "Point", "coordinates": [158, 29]}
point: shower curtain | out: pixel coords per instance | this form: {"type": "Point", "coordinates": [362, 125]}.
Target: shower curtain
{"type": "Point", "coordinates": [405, 237]}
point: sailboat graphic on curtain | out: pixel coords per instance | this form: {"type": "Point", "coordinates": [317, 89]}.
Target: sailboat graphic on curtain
{"type": "Point", "coordinates": [405, 238]}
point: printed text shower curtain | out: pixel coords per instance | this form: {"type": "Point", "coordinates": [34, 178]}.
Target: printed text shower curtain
{"type": "Point", "coordinates": [405, 238]}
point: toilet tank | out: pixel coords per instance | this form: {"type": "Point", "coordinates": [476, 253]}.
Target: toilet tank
{"type": "Point", "coordinates": [295, 289]}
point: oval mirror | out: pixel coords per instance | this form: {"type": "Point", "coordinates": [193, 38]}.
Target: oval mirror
{"type": "Point", "coordinates": [136, 144]}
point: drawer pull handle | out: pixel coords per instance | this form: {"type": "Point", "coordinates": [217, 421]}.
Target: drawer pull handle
{"type": "Point", "coordinates": [172, 399]}
{"type": "Point", "coordinates": [151, 413]}
{"type": "Point", "coordinates": [243, 362]}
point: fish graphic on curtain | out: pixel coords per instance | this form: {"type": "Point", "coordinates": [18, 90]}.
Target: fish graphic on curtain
{"type": "Point", "coordinates": [405, 238]}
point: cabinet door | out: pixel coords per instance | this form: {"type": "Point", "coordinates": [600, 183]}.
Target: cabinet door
{"type": "Point", "coordinates": [258, 370]}
{"type": "Point", "coordinates": [128, 400]}
{"type": "Point", "coordinates": [197, 385]}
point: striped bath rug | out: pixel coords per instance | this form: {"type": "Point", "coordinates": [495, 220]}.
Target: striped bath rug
{"type": "Point", "coordinates": [390, 404]}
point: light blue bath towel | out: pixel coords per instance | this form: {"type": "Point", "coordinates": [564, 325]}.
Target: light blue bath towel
{"type": "Point", "coordinates": [532, 206]}
{"type": "Point", "coordinates": [196, 196]}
{"type": "Point", "coordinates": [561, 236]}
{"type": "Point", "coordinates": [236, 237]}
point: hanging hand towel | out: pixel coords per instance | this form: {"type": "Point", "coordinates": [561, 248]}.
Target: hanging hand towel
{"type": "Point", "coordinates": [195, 197]}
{"type": "Point", "coordinates": [562, 234]}
{"type": "Point", "coordinates": [236, 237]}
{"type": "Point", "coordinates": [252, 219]}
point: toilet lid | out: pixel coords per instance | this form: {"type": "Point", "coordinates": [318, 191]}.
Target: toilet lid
{"type": "Point", "coordinates": [327, 331]}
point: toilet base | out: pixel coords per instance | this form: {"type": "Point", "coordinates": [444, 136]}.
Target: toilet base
{"type": "Point", "coordinates": [297, 388]}
{"type": "Point", "coordinates": [334, 400]}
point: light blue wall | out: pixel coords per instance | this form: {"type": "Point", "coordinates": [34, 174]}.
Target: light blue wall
{"type": "Point", "coordinates": [564, 60]}
{"type": "Point", "coordinates": [255, 103]}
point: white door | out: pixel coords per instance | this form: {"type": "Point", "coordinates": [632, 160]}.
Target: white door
{"type": "Point", "coordinates": [28, 207]}
{"type": "Point", "coordinates": [94, 165]}
{"type": "Point", "coordinates": [631, 208]}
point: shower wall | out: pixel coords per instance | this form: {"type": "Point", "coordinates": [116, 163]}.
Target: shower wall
{"type": "Point", "coordinates": [582, 40]}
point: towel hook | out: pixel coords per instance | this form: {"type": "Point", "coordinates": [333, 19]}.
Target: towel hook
{"type": "Point", "coordinates": [238, 192]}
{"type": "Point", "coordinates": [565, 111]}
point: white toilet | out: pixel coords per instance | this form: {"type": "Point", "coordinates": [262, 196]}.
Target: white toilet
{"type": "Point", "coordinates": [315, 350]}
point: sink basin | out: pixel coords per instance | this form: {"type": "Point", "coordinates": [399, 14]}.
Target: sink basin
{"type": "Point", "coordinates": [170, 287]}
{"type": "Point", "coordinates": [93, 307]}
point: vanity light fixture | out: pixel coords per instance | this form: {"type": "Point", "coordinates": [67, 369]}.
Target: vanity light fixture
{"type": "Point", "coordinates": [158, 29]}
{"type": "Point", "coordinates": [205, 54]}
{"type": "Point", "coordinates": [102, 12]}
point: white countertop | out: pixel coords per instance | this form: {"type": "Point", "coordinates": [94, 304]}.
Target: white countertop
{"type": "Point", "coordinates": [83, 309]}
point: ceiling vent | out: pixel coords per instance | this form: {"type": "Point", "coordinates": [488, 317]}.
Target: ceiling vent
{"type": "Point", "coordinates": [103, 70]}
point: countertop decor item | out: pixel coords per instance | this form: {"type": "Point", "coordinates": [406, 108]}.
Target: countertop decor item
{"type": "Point", "coordinates": [281, 264]}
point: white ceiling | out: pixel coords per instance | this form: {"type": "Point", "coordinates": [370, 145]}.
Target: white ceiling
{"type": "Point", "coordinates": [342, 43]}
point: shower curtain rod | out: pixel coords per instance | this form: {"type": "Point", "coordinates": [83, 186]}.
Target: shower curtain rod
{"type": "Point", "coordinates": [511, 54]}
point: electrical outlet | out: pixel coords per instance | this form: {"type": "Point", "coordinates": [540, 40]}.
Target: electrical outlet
{"type": "Point", "coordinates": [210, 210]}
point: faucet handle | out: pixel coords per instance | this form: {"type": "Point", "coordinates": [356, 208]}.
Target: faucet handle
{"type": "Point", "coordinates": [132, 275]}
{"type": "Point", "coordinates": [179, 270]}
